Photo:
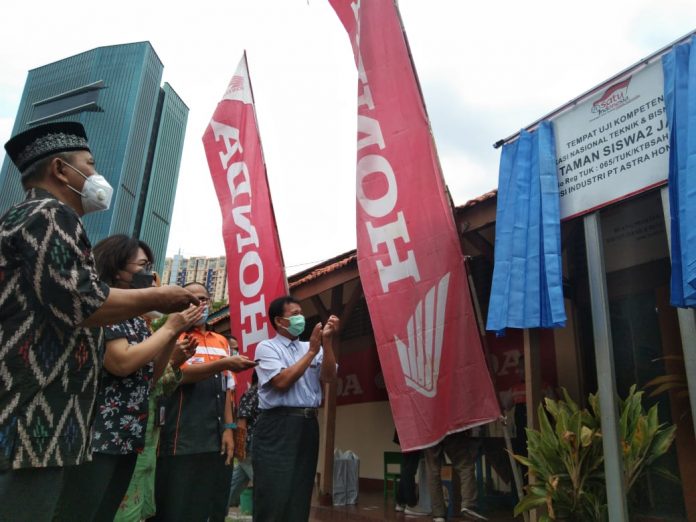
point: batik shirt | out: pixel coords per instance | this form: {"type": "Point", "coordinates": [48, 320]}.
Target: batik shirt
{"type": "Point", "coordinates": [122, 404]}
{"type": "Point", "coordinates": [249, 410]}
{"type": "Point", "coordinates": [49, 365]}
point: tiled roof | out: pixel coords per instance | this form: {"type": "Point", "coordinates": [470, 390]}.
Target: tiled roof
{"type": "Point", "coordinates": [323, 268]}
{"type": "Point", "coordinates": [483, 197]}
{"type": "Point", "coordinates": [218, 315]}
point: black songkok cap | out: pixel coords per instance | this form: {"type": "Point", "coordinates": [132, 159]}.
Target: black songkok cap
{"type": "Point", "coordinates": [43, 141]}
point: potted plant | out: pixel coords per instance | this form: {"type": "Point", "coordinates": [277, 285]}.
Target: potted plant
{"type": "Point", "coordinates": [565, 456]}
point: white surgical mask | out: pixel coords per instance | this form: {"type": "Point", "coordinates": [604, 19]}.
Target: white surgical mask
{"type": "Point", "coordinates": [204, 317]}
{"type": "Point", "coordinates": [96, 192]}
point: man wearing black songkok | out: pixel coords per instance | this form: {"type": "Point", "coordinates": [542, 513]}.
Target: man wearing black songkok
{"type": "Point", "coordinates": [52, 307]}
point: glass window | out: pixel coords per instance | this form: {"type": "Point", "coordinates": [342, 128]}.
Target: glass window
{"type": "Point", "coordinates": [64, 106]}
{"type": "Point", "coordinates": [643, 325]}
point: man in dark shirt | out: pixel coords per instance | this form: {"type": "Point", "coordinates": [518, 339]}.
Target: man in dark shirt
{"type": "Point", "coordinates": [194, 468]}
{"type": "Point", "coordinates": [52, 305]}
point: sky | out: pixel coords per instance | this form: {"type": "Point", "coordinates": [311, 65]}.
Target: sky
{"type": "Point", "coordinates": [487, 69]}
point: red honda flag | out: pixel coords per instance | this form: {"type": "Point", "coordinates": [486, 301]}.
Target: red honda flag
{"type": "Point", "coordinates": [255, 268]}
{"type": "Point", "coordinates": [409, 258]}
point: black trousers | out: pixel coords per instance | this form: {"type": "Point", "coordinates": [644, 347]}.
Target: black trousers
{"type": "Point", "coordinates": [406, 494]}
{"type": "Point", "coordinates": [192, 488]}
{"type": "Point", "coordinates": [93, 491]}
{"type": "Point", "coordinates": [29, 495]}
{"type": "Point", "coordinates": [284, 463]}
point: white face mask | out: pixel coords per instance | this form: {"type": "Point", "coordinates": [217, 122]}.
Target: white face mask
{"type": "Point", "coordinates": [204, 317]}
{"type": "Point", "coordinates": [96, 192]}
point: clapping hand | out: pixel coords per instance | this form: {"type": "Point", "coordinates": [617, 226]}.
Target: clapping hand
{"type": "Point", "coordinates": [183, 351]}
{"type": "Point", "coordinates": [183, 321]}
{"type": "Point", "coordinates": [315, 339]}
{"type": "Point", "coordinates": [331, 327]}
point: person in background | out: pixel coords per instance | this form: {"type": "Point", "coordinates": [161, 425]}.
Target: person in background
{"type": "Point", "coordinates": [462, 450]}
{"type": "Point", "coordinates": [52, 305]}
{"type": "Point", "coordinates": [515, 399]}
{"type": "Point", "coordinates": [194, 468]}
{"type": "Point", "coordinates": [406, 495]}
{"type": "Point", "coordinates": [234, 350]}
{"type": "Point", "coordinates": [234, 345]}
{"type": "Point", "coordinates": [246, 420]}
{"type": "Point", "coordinates": [286, 435]}
{"type": "Point", "coordinates": [134, 359]}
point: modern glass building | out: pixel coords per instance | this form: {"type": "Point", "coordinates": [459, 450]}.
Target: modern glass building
{"type": "Point", "coordinates": [136, 132]}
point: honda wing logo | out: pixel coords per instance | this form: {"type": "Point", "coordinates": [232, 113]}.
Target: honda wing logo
{"type": "Point", "coordinates": [420, 359]}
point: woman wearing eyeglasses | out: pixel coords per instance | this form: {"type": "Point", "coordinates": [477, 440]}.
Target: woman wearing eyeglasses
{"type": "Point", "coordinates": [134, 359]}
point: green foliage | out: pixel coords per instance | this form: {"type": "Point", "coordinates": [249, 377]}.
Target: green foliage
{"type": "Point", "coordinates": [643, 438]}
{"type": "Point", "coordinates": [158, 323]}
{"type": "Point", "coordinates": [567, 460]}
{"type": "Point", "coordinates": [216, 305]}
{"type": "Point", "coordinates": [674, 383]}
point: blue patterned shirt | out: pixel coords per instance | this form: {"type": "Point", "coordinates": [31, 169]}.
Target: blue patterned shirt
{"type": "Point", "coordinates": [49, 364]}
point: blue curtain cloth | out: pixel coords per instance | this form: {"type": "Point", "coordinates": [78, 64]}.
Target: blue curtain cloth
{"type": "Point", "coordinates": [679, 67]}
{"type": "Point", "coordinates": [527, 289]}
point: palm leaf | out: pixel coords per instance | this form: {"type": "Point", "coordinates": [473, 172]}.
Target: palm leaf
{"type": "Point", "coordinates": [528, 503]}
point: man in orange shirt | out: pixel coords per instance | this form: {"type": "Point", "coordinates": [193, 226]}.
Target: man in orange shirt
{"type": "Point", "coordinates": [196, 442]}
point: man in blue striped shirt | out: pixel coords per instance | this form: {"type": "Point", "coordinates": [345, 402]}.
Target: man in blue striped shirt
{"type": "Point", "coordinates": [286, 437]}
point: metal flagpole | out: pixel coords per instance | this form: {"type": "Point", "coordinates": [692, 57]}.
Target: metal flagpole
{"type": "Point", "coordinates": [606, 374]}
{"type": "Point", "coordinates": [504, 421]}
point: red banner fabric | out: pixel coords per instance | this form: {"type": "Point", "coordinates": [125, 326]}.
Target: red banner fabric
{"type": "Point", "coordinates": [507, 360]}
{"type": "Point", "coordinates": [360, 378]}
{"type": "Point", "coordinates": [254, 261]}
{"type": "Point", "coordinates": [409, 258]}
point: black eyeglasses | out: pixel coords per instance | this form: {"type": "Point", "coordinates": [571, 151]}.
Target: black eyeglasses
{"type": "Point", "coordinates": [145, 266]}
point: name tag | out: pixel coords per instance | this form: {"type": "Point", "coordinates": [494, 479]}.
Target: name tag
{"type": "Point", "coordinates": [161, 412]}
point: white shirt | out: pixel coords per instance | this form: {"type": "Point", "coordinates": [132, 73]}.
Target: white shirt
{"type": "Point", "coordinates": [276, 354]}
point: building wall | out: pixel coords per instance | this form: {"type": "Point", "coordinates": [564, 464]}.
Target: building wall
{"type": "Point", "coordinates": [645, 337]}
{"type": "Point", "coordinates": [196, 270]}
{"type": "Point", "coordinates": [219, 280]}
{"type": "Point", "coordinates": [167, 270]}
{"type": "Point", "coordinates": [367, 429]}
{"type": "Point", "coordinates": [175, 273]}
{"type": "Point", "coordinates": [161, 180]}
{"type": "Point", "coordinates": [209, 271]}
{"type": "Point", "coordinates": [136, 132]}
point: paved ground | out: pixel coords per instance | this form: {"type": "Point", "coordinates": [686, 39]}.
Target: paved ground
{"type": "Point", "coordinates": [372, 506]}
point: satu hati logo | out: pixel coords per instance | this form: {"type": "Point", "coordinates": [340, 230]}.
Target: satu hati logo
{"type": "Point", "coordinates": [238, 89]}
{"type": "Point", "coordinates": [236, 85]}
{"type": "Point", "coordinates": [420, 358]}
{"type": "Point", "coordinates": [614, 97]}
